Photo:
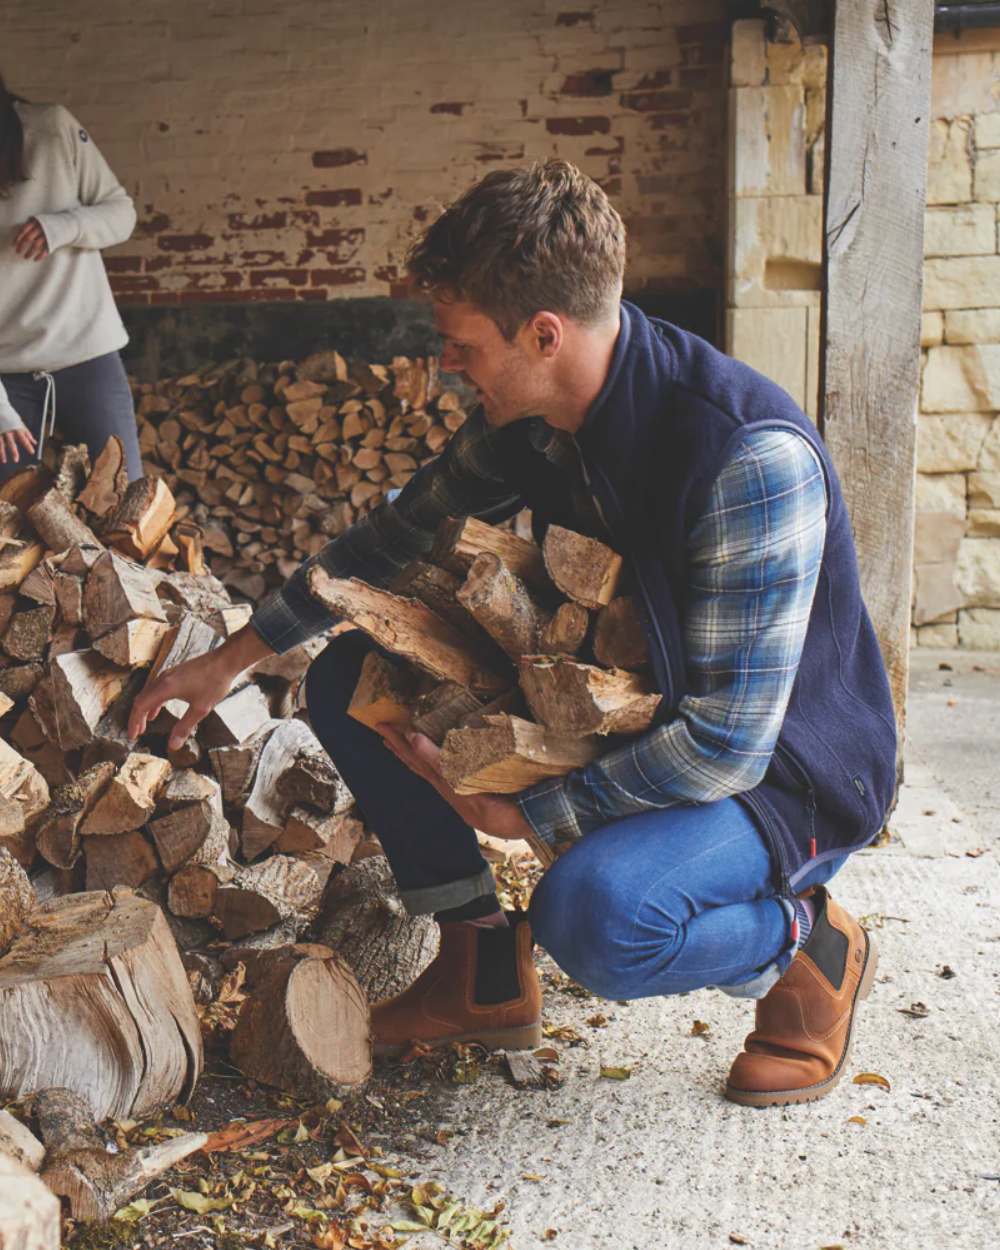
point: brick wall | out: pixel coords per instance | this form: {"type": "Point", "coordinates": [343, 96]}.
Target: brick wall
{"type": "Point", "coordinates": [287, 150]}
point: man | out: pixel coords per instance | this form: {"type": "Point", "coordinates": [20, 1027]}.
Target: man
{"type": "Point", "coordinates": [699, 849]}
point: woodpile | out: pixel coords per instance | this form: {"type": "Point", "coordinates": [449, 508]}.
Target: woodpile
{"type": "Point", "coordinates": [270, 461]}
{"type": "Point", "coordinates": [517, 660]}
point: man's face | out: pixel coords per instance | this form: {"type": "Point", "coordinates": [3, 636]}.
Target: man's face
{"type": "Point", "coordinates": [509, 377]}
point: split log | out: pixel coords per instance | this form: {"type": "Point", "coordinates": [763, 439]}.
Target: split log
{"type": "Point", "coordinates": [58, 836]}
{"type": "Point", "coordinates": [335, 836]}
{"type": "Point", "coordinates": [93, 998]}
{"type": "Point", "coordinates": [459, 540]}
{"type": "Point", "coordinates": [40, 584]}
{"type": "Point", "coordinates": [21, 784]}
{"type": "Point", "coordinates": [579, 699]}
{"type": "Point", "coordinates": [17, 559]}
{"type": "Point", "coordinates": [30, 1216]}
{"type": "Point", "coordinates": [116, 591]}
{"type": "Point", "coordinates": [73, 470]}
{"type": "Point", "coordinates": [78, 1167]}
{"type": "Point", "coordinates": [28, 634]}
{"type": "Point", "coordinates": [17, 900]}
{"type": "Point", "coordinates": [508, 754]}
{"type": "Point", "coordinates": [238, 717]}
{"type": "Point", "coordinates": [442, 709]}
{"type": "Point", "coordinates": [436, 588]}
{"type": "Point", "coordinates": [133, 644]}
{"type": "Point", "coordinates": [363, 919]}
{"type": "Point", "coordinates": [501, 604]}
{"type": "Point", "coordinates": [57, 526]}
{"type": "Point", "coordinates": [384, 693]}
{"type": "Point", "coordinates": [619, 639]}
{"type": "Point", "coordinates": [108, 482]}
{"type": "Point", "coordinates": [236, 766]}
{"type": "Point", "coordinates": [18, 1142]}
{"type": "Point", "coordinates": [190, 637]}
{"type": "Point", "coordinates": [409, 629]}
{"type": "Point", "coordinates": [565, 632]}
{"type": "Point", "coordinates": [130, 796]}
{"type": "Point", "coordinates": [584, 569]}
{"type": "Point", "coordinates": [140, 523]}
{"type": "Point", "coordinates": [120, 859]}
{"type": "Point", "coordinates": [265, 808]}
{"type": "Point", "coordinates": [182, 832]}
{"type": "Point", "coordinates": [280, 889]}
{"type": "Point", "coordinates": [305, 1026]}
{"type": "Point", "coordinates": [192, 889]}
{"type": "Point", "coordinates": [313, 780]}
{"type": "Point", "coordinates": [84, 685]}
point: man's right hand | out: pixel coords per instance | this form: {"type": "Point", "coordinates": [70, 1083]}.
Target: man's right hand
{"type": "Point", "coordinates": [201, 683]}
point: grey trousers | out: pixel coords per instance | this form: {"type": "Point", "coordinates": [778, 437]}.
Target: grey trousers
{"type": "Point", "coordinates": [93, 401]}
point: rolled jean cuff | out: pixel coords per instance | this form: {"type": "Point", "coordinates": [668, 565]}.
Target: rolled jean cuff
{"type": "Point", "coordinates": [765, 980]}
{"type": "Point", "coordinates": [433, 898]}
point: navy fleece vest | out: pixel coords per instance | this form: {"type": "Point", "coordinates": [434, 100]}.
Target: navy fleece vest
{"type": "Point", "coordinates": [670, 415]}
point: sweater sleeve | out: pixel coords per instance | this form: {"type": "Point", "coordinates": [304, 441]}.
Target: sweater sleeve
{"type": "Point", "coordinates": [9, 416]}
{"type": "Point", "coordinates": [106, 214]}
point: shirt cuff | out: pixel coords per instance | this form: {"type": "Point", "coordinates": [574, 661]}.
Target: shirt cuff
{"type": "Point", "coordinates": [278, 624]}
{"type": "Point", "coordinates": [548, 811]}
{"type": "Point", "coordinates": [9, 418]}
{"type": "Point", "coordinates": [60, 229]}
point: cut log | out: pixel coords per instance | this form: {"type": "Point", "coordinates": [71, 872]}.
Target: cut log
{"type": "Point", "coordinates": [180, 833]}
{"type": "Point", "coordinates": [280, 889]}
{"type": "Point", "coordinates": [500, 602]}
{"type": "Point", "coordinates": [364, 920]}
{"type": "Point", "coordinates": [116, 591]}
{"type": "Point", "coordinates": [619, 639]}
{"type": "Point", "coordinates": [305, 1026]}
{"type": "Point", "coordinates": [436, 588]}
{"type": "Point", "coordinates": [140, 523]}
{"type": "Point", "coordinates": [17, 900]}
{"type": "Point", "coordinates": [22, 785]}
{"type": "Point", "coordinates": [72, 470]}
{"type": "Point", "coordinates": [134, 644]}
{"type": "Point", "coordinates": [509, 754]}
{"type": "Point", "coordinates": [459, 540]}
{"type": "Point", "coordinates": [442, 709]}
{"type": "Point", "coordinates": [384, 693]}
{"type": "Point", "coordinates": [57, 526]}
{"type": "Point", "coordinates": [190, 637]}
{"type": "Point", "coordinates": [579, 699]}
{"type": "Point", "coordinates": [265, 808]}
{"type": "Point", "coordinates": [193, 887]}
{"type": "Point", "coordinates": [236, 766]}
{"type": "Point", "coordinates": [565, 632]}
{"type": "Point", "coordinates": [335, 836]}
{"type": "Point", "coordinates": [120, 859]}
{"type": "Point", "coordinates": [84, 685]}
{"type": "Point", "coordinates": [130, 796]}
{"type": "Point", "coordinates": [238, 717]}
{"type": "Point", "coordinates": [17, 559]}
{"type": "Point", "coordinates": [313, 780]}
{"type": "Point", "coordinates": [58, 836]}
{"type": "Point", "coordinates": [409, 629]}
{"type": "Point", "coordinates": [28, 634]}
{"type": "Point", "coordinates": [187, 786]}
{"type": "Point", "coordinates": [108, 482]}
{"type": "Point", "coordinates": [93, 998]}
{"type": "Point", "coordinates": [584, 569]}
{"type": "Point", "coordinates": [77, 1164]}
{"type": "Point", "coordinates": [40, 584]}
{"type": "Point", "coordinates": [18, 1142]}
{"type": "Point", "coordinates": [30, 1215]}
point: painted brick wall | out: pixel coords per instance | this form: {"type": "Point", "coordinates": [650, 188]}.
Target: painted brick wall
{"type": "Point", "coordinates": [290, 149]}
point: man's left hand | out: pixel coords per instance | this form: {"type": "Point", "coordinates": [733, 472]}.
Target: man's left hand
{"type": "Point", "coordinates": [489, 813]}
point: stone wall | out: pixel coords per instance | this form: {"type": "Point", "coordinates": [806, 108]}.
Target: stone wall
{"type": "Point", "coordinates": [288, 150]}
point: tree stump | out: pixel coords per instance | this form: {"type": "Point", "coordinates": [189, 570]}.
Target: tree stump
{"type": "Point", "coordinates": [94, 998]}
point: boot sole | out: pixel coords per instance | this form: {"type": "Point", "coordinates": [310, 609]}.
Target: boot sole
{"type": "Point", "coordinates": [812, 1093]}
{"type": "Point", "coordinates": [526, 1037]}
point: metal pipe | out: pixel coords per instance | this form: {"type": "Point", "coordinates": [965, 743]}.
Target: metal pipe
{"type": "Point", "coordinates": [958, 17]}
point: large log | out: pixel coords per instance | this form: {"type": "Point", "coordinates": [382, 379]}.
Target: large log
{"type": "Point", "coordinates": [500, 602]}
{"type": "Point", "coordinates": [305, 1026]}
{"type": "Point", "coordinates": [459, 540]}
{"type": "Point", "coordinates": [584, 569]}
{"type": "Point", "coordinates": [579, 699]}
{"type": "Point", "coordinates": [57, 526]}
{"type": "Point", "coordinates": [93, 998]}
{"type": "Point", "coordinates": [507, 755]}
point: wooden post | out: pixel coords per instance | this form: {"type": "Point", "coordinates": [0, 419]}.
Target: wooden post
{"type": "Point", "coordinates": [877, 125]}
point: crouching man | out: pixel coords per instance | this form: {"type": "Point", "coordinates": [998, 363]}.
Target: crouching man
{"type": "Point", "coordinates": [699, 851]}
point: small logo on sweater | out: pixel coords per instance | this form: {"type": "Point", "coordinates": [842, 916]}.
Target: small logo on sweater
{"type": "Point", "coordinates": [84, 137]}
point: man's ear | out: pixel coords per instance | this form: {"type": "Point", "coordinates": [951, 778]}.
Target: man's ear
{"type": "Point", "coordinates": [547, 333]}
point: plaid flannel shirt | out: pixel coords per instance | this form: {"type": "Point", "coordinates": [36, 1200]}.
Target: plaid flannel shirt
{"type": "Point", "coordinates": [754, 558]}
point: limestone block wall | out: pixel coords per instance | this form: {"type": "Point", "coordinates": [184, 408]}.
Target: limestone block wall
{"type": "Point", "coordinates": [288, 150]}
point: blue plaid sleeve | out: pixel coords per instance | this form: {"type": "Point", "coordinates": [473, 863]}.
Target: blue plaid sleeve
{"type": "Point", "coordinates": [465, 480]}
{"type": "Point", "coordinates": [753, 559]}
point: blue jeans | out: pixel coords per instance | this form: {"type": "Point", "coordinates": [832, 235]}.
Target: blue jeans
{"type": "Point", "coordinates": [659, 903]}
{"type": "Point", "coordinates": [93, 401]}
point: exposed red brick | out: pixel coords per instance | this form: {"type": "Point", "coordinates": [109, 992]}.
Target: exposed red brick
{"type": "Point", "coordinates": [292, 277]}
{"type": "Point", "coordinates": [574, 18]}
{"type": "Point", "coordinates": [261, 256]}
{"type": "Point", "coordinates": [578, 125]}
{"type": "Point", "coordinates": [344, 242]}
{"type": "Point", "coordinates": [656, 101]}
{"type": "Point", "coordinates": [336, 277]}
{"type": "Point", "coordinates": [260, 221]}
{"type": "Point", "coordinates": [652, 82]}
{"type": "Point", "coordinates": [151, 223]}
{"type": "Point", "coordinates": [155, 264]}
{"type": "Point", "coordinates": [213, 279]}
{"type": "Point", "coordinates": [667, 121]}
{"type": "Point", "coordinates": [339, 156]}
{"type": "Point", "coordinates": [123, 264]}
{"type": "Point", "coordinates": [619, 147]}
{"type": "Point", "coordinates": [133, 282]}
{"type": "Point", "coordinates": [455, 107]}
{"type": "Point", "coordinates": [589, 82]}
{"type": "Point", "coordinates": [184, 242]}
{"type": "Point", "coordinates": [499, 152]}
{"type": "Point", "coordinates": [305, 217]}
{"type": "Point", "coordinates": [312, 295]}
{"type": "Point", "coordinates": [386, 273]}
{"type": "Point", "coordinates": [347, 197]}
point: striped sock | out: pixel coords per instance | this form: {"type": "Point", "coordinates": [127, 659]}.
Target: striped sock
{"type": "Point", "coordinates": [805, 913]}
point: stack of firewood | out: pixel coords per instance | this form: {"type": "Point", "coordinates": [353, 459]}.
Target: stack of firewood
{"type": "Point", "coordinates": [272, 460]}
{"type": "Point", "coordinates": [520, 659]}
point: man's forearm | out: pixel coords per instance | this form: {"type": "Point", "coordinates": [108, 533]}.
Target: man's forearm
{"type": "Point", "coordinates": [243, 649]}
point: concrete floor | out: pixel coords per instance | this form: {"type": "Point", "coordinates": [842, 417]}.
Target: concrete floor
{"type": "Point", "coordinates": [661, 1161]}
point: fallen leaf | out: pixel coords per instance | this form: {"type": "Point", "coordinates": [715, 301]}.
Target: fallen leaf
{"type": "Point", "coordinates": [857, 1119]}
{"type": "Point", "coordinates": [239, 1135]}
{"type": "Point", "coordinates": [550, 1234]}
{"type": "Point", "coordinates": [598, 1022]}
{"type": "Point", "coordinates": [546, 1054]}
{"type": "Point", "coordinates": [947, 972]}
{"type": "Point", "coordinates": [616, 1074]}
{"type": "Point", "coordinates": [199, 1203]}
{"type": "Point", "coordinates": [737, 1240]}
{"type": "Point", "coordinates": [700, 1028]}
{"type": "Point", "coordinates": [918, 1011]}
{"type": "Point", "coordinates": [974, 854]}
{"type": "Point", "coordinates": [872, 1078]}
{"type": "Point", "coordinates": [532, 1176]}
{"type": "Point", "coordinates": [136, 1210]}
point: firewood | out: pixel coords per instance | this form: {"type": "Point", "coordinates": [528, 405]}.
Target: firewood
{"type": "Point", "coordinates": [312, 779]}
{"type": "Point", "coordinates": [117, 591]}
{"type": "Point", "coordinates": [40, 584]}
{"type": "Point", "coordinates": [437, 589]}
{"type": "Point", "coordinates": [238, 717]}
{"type": "Point", "coordinates": [69, 597]}
{"type": "Point", "coordinates": [18, 681]}
{"type": "Point", "coordinates": [384, 693]}
{"type": "Point", "coordinates": [179, 834]}
{"type": "Point", "coordinates": [21, 784]}
{"type": "Point", "coordinates": [108, 482]}
{"type": "Point", "coordinates": [584, 569]}
{"type": "Point", "coordinates": [305, 1026]}
{"type": "Point", "coordinates": [57, 526]}
{"type": "Point", "coordinates": [192, 550]}
{"type": "Point", "coordinates": [189, 638]}
{"type": "Point", "coordinates": [26, 486]}
{"type": "Point", "coordinates": [93, 998]}
{"type": "Point", "coordinates": [579, 699]}
{"type": "Point", "coordinates": [139, 524]}
{"type": "Point", "coordinates": [30, 1216]}
{"type": "Point", "coordinates": [565, 632]}
{"type": "Point", "coordinates": [78, 1166]}
{"type": "Point", "coordinates": [84, 686]}
{"type": "Point", "coordinates": [335, 836]}
{"type": "Point", "coordinates": [193, 887]}
{"type": "Point", "coordinates": [619, 639]}
{"type": "Point", "coordinates": [364, 920]}
{"type": "Point", "coordinates": [37, 748]}
{"type": "Point", "coordinates": [500, 602]}
{"type": "Point", "coordinates": [119, 859]}
{"type": "Point", "coordinates": [17, 559]}
{"type": "Point", "coordinates": [441, 709]}
{"type": "Point", "coordinates": [58, 835]}
{"type": "Point", "coordinates": [509, 754]}
{"type": "Point", "coordinates": [72, 470]}
{"type": "Point", "coordinates": [282, 888]}
{"type": "Point", "coordinates": [460, 540]}
{"type": "Point", "coordinates": [18, 1142]}
{"type": "Point", "coordinates": [409, 629]}
{"type": "Point", "coordinates": [17, 900]}
{"type": "Point", "coordinates": [134, 644]}
{"type": "Point", "coordinates": [236, 766]}
{"type": "Point", "coordinates": [187, 786]}
{"type": "Point", "coordinates": [28, 633]}
{"type": "Point", "coordinates": [129, 797]}
{"type": "Point", "coordinates": [265, 808]}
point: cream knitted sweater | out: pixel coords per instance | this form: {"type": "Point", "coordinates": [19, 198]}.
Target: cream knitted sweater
{"type": "Point", "coordinates": [59, 311]}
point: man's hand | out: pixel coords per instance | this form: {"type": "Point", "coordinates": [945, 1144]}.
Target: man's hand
{"type": "Point", "coordinates": [489, 813]}
{"type": "Point", "coordinates": [30, 241]}
{"type": "Point", "coordinates": [201, 683]}
{"type": "Point", "coordinates": [13, 441]}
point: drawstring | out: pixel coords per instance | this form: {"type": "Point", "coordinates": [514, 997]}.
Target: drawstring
{"type": "Point", "coordinates": [48, 407]}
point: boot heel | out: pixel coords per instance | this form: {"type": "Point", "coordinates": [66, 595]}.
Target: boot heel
{"type": "Point", "coordinates": [527, 1037]}
{"type": "Point", "coordinates": [871, 967]}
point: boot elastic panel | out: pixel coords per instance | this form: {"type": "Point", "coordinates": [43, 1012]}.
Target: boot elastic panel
{"type": "Point", "coordinates": [826, 946]}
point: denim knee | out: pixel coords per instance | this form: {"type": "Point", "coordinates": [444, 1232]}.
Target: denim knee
{"type": "Point", "coordinates": [332, 676]}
